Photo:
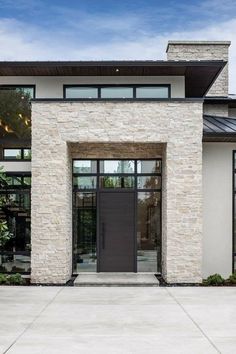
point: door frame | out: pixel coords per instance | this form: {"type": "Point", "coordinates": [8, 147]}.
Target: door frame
{"type": "Point", "coordinates": [98, 243]}
{"type": "Point", "coordinates": [97, 190]}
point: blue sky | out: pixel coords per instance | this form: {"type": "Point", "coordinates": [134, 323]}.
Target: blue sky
{"type": "Point", "coordinates": [110, 29]}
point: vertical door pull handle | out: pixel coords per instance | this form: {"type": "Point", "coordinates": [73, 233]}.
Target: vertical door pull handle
{"type": "Point", "coordinates": [103, 235]}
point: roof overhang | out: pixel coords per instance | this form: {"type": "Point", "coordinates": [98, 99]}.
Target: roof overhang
{"type": "Point", "coordinates": [199, 75]}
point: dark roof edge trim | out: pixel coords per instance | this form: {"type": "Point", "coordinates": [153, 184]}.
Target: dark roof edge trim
{"type": "Point", "coordinates": [200, 99]}
{"type": "Point", "coordinates": [113, 63]}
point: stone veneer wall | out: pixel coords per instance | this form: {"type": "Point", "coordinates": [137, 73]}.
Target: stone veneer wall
{"type": "Point", "coordinates": [203, 50]}
{"type": "Point", "coordinates": [58, 127]}
{"type": "Point", "coordinates": [220, 110]}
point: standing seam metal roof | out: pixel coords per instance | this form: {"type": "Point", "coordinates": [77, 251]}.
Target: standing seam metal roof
{"type": "Point", "coordinates": [218, 125]}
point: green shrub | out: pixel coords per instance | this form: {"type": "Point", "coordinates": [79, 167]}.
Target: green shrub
{"type": "Point", "coordinates": [215, 279]}
{"type": "Point", "coordinates": [3, 279]}
{"type": "Point", "coordinates": [232, 278]}
{"type": "Point", "coordinates": [15, 279]}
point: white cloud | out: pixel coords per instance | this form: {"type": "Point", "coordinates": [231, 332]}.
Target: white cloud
{"type": "Point", "coordinates": [20, 41]}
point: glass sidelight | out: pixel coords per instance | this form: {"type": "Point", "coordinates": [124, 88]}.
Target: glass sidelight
{"type": "Point", "coordinates": [85, 254]}
{"type": "Point", "coordinates": [149, 232]}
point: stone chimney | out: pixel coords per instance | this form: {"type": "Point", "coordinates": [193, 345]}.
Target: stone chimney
{"type": "Point", "coordinates": [203, 50]}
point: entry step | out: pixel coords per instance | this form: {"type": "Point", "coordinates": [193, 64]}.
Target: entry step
{"type": "Point", "coordinates": [116, 279]}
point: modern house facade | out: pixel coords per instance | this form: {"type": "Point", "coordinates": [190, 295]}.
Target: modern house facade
{"type": "Point", "coordinates": [132, 167]}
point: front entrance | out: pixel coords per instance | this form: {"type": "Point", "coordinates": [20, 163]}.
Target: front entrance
{"type": "Point", "coordinates": [117, 232]}
{"type": "Point", "coordinates": [117, 215]}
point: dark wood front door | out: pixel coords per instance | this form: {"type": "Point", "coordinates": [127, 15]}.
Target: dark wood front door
{"type": "Point", "coordinates": [116, 232]}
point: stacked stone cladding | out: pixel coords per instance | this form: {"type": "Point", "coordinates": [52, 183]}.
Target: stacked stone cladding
{"type": "Point", "coordinates": [203, 51]}
{"type": "Point", "coordinates": [174, 127]}
{"type": "Point", "coordinates": [220, 110]}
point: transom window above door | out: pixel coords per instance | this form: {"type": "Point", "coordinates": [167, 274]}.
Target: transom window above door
{"type": "Point", "coordinates": [117, 91]}
{"type": "Point", "coordinates": [116, 174]}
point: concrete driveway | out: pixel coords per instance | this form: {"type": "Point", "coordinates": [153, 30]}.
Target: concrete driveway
{"type": "Point", "coordinates": [53, 320]}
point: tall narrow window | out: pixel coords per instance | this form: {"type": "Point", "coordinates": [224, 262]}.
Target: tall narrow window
{"type": "Point", "coordinates": [16, 212]}
{"type": "Point", "coordinates": [234, 211]}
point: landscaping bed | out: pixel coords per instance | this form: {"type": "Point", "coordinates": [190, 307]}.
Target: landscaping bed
{"type": "Point", "coordinates": [13, 279]}
{"type": "Point", "coordinates": [212, 280]}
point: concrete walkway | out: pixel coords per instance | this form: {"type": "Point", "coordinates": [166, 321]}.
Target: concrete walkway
{"type": "Point", "coordinates": [116, 279]}
{"type": "Point", "coordinates": [53, 320]}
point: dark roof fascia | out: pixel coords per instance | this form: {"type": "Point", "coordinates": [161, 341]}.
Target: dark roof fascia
{"type": "Point", "coordinates": [221, 100]}
{"type": "Point", "coordinates": [114, 63]}
{"type": "Point", "coordinates": [220, 137]}
{"type": "Point", "coordinates": [118, 100]}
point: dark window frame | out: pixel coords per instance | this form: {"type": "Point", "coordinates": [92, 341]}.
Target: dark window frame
{"type": "Point", "coordinates": [11, 87]}
{"type": "Point", "coordinates": [135, 189]}
{"type": "Point", "coordinates": [22, 149]}
{"type": "Point", "coordinates": [17, 189]}
{"type": "Point", "coordinates": [134, 87]}
{"type": "Point", "coordinates": [233, 212]}
{"type": "Point", "coordinates": [21, 186]}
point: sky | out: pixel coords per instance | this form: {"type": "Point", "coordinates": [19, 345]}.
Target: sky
{"type": "Point", "coordinates": [111, 29]}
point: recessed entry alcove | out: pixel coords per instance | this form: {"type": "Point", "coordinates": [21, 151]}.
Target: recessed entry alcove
{"type": "Point", "coordinates": [116, 202]}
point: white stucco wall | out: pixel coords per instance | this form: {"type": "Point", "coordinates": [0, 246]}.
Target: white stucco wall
{"type": "Point", "coordinates": [16, 166]}
{"type": "Point", "coordinates": [52, 86]}
{"type": "Point", "coordinates": [217, 208]}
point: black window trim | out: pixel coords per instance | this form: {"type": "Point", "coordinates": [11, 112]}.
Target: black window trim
{"type": "Point", "coordinates": [33, 86]}
{"type": "Point", "coordinates": [233, 211]}
{"type": "Point", "coordinates": [100, 86]}
{"type": "Point", "coordinates": [22, 190]}
{"type": "Point", "coordinates": [22, 149]}
{"type": "Point", "coordinates": [20, 175]}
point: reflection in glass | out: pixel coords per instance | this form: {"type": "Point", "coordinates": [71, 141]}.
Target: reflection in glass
{"type": "Point", "coordinates": [85, 182]}
{"type": "Point", "coordinates": [27, 154]}
{"type": "Point", "coordinates": [149, 166]}
{"type": "Point", "coordinates": [12, 154]}
{"type": "Point", "coordinates": [117, 166]}
{"type": "Point", "coordinates": [234, 232]}
{"type": "Point", "coordinates": [149, 232]}
{"type": "Point", "coordinates": [15, 263]}
{"type": "Point", "coordinates": [234, 216]}
{"type": "Point", "coordinates": [26, 91]}
{"type": "Point", "coordinates": [84, 166]}
{"type": "Point", "coordinates": [85, 258]}
{"type": "Point", "coordinates": [149, 182]}
{"type": "Point", "coordinates": [116, 92]}
{"type": "Point", "coordinates": [81, 92]}
{"type": "Point", "coordinates": [15, 255]}
{"type": "Point", "coordinates": [27, 181]}
{"type": "Point", "coordinates": [14, 180]}
{"type": "Point", "coordinates": [152, 92]}
{"type": "Point", "coordinates": [116, 182]}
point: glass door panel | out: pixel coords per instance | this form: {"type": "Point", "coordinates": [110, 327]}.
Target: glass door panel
{"type": "Point", "coordinates": [149, 232]}
{"type": "Point", "coordinates": [85, 258]}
